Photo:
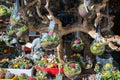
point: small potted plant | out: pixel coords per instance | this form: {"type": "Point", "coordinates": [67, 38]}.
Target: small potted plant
{"type": "Point", "coordinates": [51, 40]}
{"type": "Point", "coordinates": [72, 69]}
{"type": "Point", "coordinates": [97, 48]}
{"type": "Point", "coordinates": [77, 45]}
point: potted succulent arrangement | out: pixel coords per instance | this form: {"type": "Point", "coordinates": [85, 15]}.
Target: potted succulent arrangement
{"type": "Point", "coordinates": [107, 72]}
{"type": "Point", "coordinates": [77, 57]}
{"type": "Point", "coordinates": [77, 45]}
{"type": "Point", "coordinates": [49, 64]}
{"type": "Point", "coordinates": [51, 40]}
{"type": "Point", "coordinates": [72, 69]}
{"type": "Point", "coordinates": [6, 75]}
{"type": "Point", "coordinates": [21, 65]}
{"type": "Point", "coordinates": [97, 48]}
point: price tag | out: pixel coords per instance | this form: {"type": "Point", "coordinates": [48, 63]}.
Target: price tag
{"type": "Point", "coordinates": [51, 25]}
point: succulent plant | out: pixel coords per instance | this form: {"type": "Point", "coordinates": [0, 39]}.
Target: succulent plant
{"type": "Point", "coordinates": [9, 75]}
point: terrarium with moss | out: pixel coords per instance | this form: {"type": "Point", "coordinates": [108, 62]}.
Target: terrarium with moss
{"type": "Point", "coordinates": [50, 40]}
{"type": "Point", "coordinates": [3, 10]}
{"type": "Point", "coordinates": [77, 45]}
{"type": "Point", "coordinates": [97, 48]}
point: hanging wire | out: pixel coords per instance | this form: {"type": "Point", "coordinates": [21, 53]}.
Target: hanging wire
{"type": "Point", "coordinates": [109, 30]}
{"type": "Point", "coordinates": [108, 17]}
{"type": "Point", "coordinates": [98, 31]}
{"type": "Point", "coordinates": [16, 8]}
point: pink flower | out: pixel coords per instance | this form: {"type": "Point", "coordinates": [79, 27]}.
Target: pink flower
{"type": "Point", "coordinates": [19, 14]}
{"type": "Point", "coordinates": [72, 64]}
{"type": "Point", "coordinates": [46, 56]}
{"type": "Point", "coordinates": [77, 41]}
{"type": "Point", "coordinates": [51, 33]}
{"type": "Point", "coordinates": [31, 78]}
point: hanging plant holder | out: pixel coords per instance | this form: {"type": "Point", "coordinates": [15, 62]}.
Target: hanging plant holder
{"type": "Point", "coordinates": [72, 70]}
{"type": "Point", "coordinates": [97, 48]}
{"type": "Point", "coordinates": [3, 10]}
{"type": "Point", "coordinates": [50, 41]}
{"type": "Point", "coordinates": [77, 45]}
{"type": "Point", "coordinates": [85, 9]}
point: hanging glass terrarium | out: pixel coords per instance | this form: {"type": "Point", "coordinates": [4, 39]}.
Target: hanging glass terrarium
{"type": "Point", "coordinates": [97, 48]}
{"type": "Point", "coordinates": [77, 45]}
{"type": "Point", "coordinates": [3, 10]}
{"type": "Point", "coordinates": [86, 8]}
{"type": "Point", "coordinates": [72, 70]}
{"type": "Point", "coordinates": [51, 40]}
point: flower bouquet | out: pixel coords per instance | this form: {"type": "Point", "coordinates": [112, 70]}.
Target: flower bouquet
{"type": "Point", "coordinates": [51, 40]}
{"type": "Point", "coordinates": [97, 48]}
{"type": "Point", "coordinates": [72, 69]}
{"type": "Point", "coordinates": [3, 10]}
{"type": "Point", "coordinates": [77, 45]}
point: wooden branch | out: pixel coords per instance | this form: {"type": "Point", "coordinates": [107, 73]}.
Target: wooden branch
{"type": "Point", "coordinates": [30, 4]}
{"type": "Point", "coordinates": [110, 25]}
{"type": "Point", "coordinates": [108, 41]}
{"type": "Point", "coordinates": [86, 27]}
{"type": "Point", "coordinates": [57, 21]}
{"type": "Point", "coordinates": [98, 8]}
{"type": "Point", "coordinates": [37, 9]}
{"type": "Point", "coordinates": [38, 6]}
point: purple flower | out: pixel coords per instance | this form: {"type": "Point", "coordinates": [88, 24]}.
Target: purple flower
{"type": "Point", "coordinates": [50, 33]}
{"type": "Point", "coordinates": [77, 41]}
